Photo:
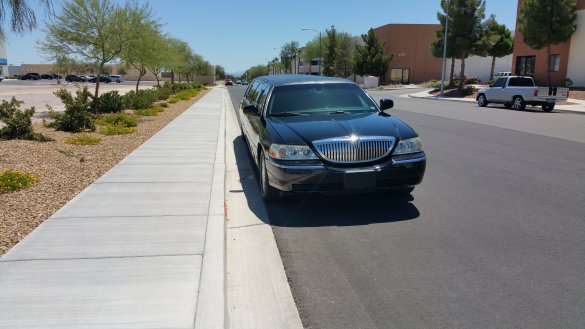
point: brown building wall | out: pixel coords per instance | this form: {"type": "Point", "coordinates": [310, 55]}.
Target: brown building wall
{"type": "Point", "coordinates": [541, 65]}
{"type": "Point", "coordinates": [410, 45]}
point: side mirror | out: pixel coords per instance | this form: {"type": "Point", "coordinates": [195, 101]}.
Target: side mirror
{"type": "Point", "coordinates": [386, 104]}
{"type": "Point", "coordinates": [251, 109]}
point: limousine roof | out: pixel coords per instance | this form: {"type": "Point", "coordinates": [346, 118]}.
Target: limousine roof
{"type": "Point", "coordinates": [290, 79]}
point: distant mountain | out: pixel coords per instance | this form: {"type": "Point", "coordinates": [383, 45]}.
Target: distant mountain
{"type": "Point", "coordinates": [237, 73]}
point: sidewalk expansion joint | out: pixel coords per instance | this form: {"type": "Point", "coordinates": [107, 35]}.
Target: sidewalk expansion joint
{"type": "Point", "coordinates": [90, 258]}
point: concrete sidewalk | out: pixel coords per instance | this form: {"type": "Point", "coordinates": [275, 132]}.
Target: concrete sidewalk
{"type": "Point", "coordinates": [142, 247]}
{"type": "Point", "coordinates": [578, 107]}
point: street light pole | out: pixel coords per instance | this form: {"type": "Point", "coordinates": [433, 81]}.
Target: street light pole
{"type": "Point", "coordinates": [320, 59]}
{"type": "Point", "coordinates": [445, 50]}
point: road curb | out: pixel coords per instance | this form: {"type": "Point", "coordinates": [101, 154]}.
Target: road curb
{"type": "Point", "coordinates": [211, 303]}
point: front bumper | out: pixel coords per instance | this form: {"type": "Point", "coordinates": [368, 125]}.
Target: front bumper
{"type": "Point", "coordinates": [402, 171]}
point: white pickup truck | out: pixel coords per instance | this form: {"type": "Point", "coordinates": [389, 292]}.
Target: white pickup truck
{"type": "Point", "coordinates": [517, 92]}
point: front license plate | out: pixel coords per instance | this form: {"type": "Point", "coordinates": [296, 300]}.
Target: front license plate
{"type": "Point", "coordinates": [360, 180]}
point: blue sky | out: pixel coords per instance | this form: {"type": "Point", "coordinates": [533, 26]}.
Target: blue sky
{"type": "Point", "coordinates": [238, 34]}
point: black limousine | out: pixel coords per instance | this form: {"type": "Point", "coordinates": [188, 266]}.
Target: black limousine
{"type": "Point", "coordinates": [326, 135]}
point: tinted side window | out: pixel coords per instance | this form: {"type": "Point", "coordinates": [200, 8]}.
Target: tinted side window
{"type": "Point", "coordinates": [500, 83]}
{"type": "Point", "coordinates": [262, 93]}
{"type": "Point", "coordinates": [251, 93]}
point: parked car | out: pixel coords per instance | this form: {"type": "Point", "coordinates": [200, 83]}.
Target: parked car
{"type": "Point", "coordinates": [244, 82]}
{"type": "Point", "coordinates": [30, 76]}
{"type": "Point", "coordinates": [519, 91]}
{"type": "Point", "coordinates": [56, 76]}
{"type": "Point", "coordinates": [229, 82]}
{"type": "Point", "coordinates": [313, 134]}
{"type": "Point", "coordinates": [103, 78]}
{"type": "Point", "coordinates": [239, 82]}
{"type": "Point", "coordinates": [46, 77]}
{"type": "Point", "coordinates": [116, 78]}
{"type": "Point", "coordinates": [74, 78]}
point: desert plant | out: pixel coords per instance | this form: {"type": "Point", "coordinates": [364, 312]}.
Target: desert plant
{"type": "Point", "coordinates": [123, 119]}
{"type": "Point", "coordinates": [77, 116]}
{"type": "Point", "coordinates": [141, 99]}
{"type": "Point", "coordinates": [83, 139]}
{"type": "Point", "coordinates": [150, 112]}
{"type": "Point", "coordinates": [18, 123]}
{"type": "Point", "coordinates": [164, 105]}
{"type": "Point", "coordinates": [469, 90]}
{"type": "Point", "coordinates": [432, 84]}
{"type": "Point", "coordinates": [13, 180]}
{"type": "Point", "coordinates": [117, 130]}
{"type": "Point", "coordinates": [110, 102]}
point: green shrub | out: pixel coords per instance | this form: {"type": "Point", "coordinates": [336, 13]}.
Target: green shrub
{"type": "Point", "coordinates": [13, 180]}
{"type": "Point", "coordinates": [568, 82]}
{"type": "Point", "coordinates": [468, 91]}
{"type": "Point", "coordinates": [110, 102]}
{"type": "Point", "coordinates": [432, 84]}
{"type": "Point", "coordinates": [117, 130]}
{"type": "Point", "coordinates": [123, 119]}
{"type": "Point", "coordinates": [174, 100]}
{"type": "Point", "coordinates": [490, 82]}
{"type": "Point", "coordinates": [77, 116]}
{"type": "Point", "coordinates": [163, 93]}
{"type": "Point", "coordinates": [147, 112]}
{"type": "Point", "coordinates": [141, 99]}
{"type": "Point", "coordinates": [83, 139]}
{"type": "Point", "coordinates": [472, 81]}
{"type": "Point", "coordinates": [18, 123]}
{"type": "Point", "coordinates": [164, 105]}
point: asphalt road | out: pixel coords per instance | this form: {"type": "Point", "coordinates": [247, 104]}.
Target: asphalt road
{"type": "Point", "coordinates": [494, 237]}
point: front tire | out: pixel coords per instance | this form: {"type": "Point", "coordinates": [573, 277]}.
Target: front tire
{"type": "Point", "coordinates": [482, 101]}
{"type": "Point", "coordinates": [519, 104]}
{"type": "Point", "coordinates": [269, 193]}
{"type": "Point", "coordinates": [548, 107]}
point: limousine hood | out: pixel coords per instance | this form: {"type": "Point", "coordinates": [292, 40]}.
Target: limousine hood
{"type": "Point", "coordinates": [305, 129]}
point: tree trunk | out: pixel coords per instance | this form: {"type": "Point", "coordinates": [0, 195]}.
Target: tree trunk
{"type": "Point", "coordinates": [462, 74]}
{"type": "Point", "coordinates": [138, 81]}
{"type": "Point", "coordinates": [172, 77]}
{"type": "Point", "coordinates": [97, 82]}
{"type": "Point", "coordinates": [451, 83]}
{"type": "Point", "coordinates": [493, 67]}
{"type": "Point", "coordinates": [548, 65]}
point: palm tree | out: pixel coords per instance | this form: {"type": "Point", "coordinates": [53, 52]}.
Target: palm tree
{"type": "Point", "coordinates": [22, 17]}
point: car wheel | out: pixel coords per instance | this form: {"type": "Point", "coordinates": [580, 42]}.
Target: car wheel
{"type": "Point", "coordinates": [269, 193]}
{"type": "Point", "coordinates": [519, 104]}
{"type": "Point", "coordinates": [548, 107]}
{"type": "Point", "coordinates": [482, 101]}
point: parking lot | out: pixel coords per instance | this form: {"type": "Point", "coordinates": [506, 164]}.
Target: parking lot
{"type": "Point", "coordinates": [39, 93]}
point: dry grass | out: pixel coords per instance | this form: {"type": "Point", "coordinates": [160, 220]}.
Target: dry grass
{"type": "Point", "coordinates": [64, 170]}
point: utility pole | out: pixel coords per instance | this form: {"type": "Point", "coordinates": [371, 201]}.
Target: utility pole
{"type": "Point", "coordinates": [445, 49]}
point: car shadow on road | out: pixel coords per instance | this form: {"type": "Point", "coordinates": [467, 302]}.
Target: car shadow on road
{"type": "Point", "coordinates": [314, 210]}
{"type": "Point", "coordinates": [530, 109]}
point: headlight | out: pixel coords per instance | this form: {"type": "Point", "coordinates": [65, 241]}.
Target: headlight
{"type": "Point", "coordinates": [291, 152]}
{"type": "Point", "coordinates": [407, 146]}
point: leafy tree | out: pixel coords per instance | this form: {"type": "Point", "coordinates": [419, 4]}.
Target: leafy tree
{"type": "Point", "coordinates": [330, 52]}
{"type": "Point", "coordinates": [219, 72]}
{"type": "Point", "coordinates": [344, 56]}
{"type": "Point", "coordinates": [310, 52]}
{"type": "Point", "coordinates": [467, 31]}
{"type": "Point", "coordinates": [498, 41]}
{"type": "Point", "coordinates": [544, 23]}
{"type": "Point", "coordinates": [140, 51]}
{"type": "Point", "coordinates": [370, 58]}
{"type": "Point", "coordinates": [437, 46]}
{"type": "Point", "coordinates": [159, 56]}
{"type": "Point", "coordinates": [288, 51]}
{"type": "Point", "coordinates": [97, 31]}
{"type": "Point", "coordinates": [256, 71]}
{"type": "Point", "coordinates": [22, 17]}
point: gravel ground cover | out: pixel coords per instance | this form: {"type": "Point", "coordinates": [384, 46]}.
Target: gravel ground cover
{"type": "Point", "coordinates": [64, 170]}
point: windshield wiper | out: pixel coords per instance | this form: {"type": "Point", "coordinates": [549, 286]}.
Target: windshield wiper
{"type": "Point", "coordinates": [286, 114]}
{"type": "Point", "coordinates": [339, 112]}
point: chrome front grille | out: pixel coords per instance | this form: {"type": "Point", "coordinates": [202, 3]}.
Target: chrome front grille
{"type": "Point", "coordinates": [354, 149]}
